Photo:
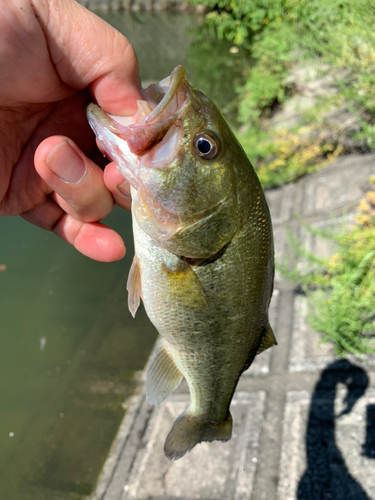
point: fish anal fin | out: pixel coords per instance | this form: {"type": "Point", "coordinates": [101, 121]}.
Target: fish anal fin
{"type": "Point", "coordinates": [134, 287]}
{"type": "Point", "coordinates": [163, 376]}
{"type": "Point", "coordinates": [268, 341]}
{"type": "Point", "coordinates": [189, 430]}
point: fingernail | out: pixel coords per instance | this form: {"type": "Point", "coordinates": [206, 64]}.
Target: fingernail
{"type": "Point", "coordinates": [66, 163]}
{"type": "Point", "coordinates": [124, 189]}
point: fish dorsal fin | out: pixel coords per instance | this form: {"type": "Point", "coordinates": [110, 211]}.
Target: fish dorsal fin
{"type": "Point", "coordinates": [133, 287]}
{"type": "Point", "coordinates": [268, 341]}
{"type": "Point", "coordinates": [163, 376]}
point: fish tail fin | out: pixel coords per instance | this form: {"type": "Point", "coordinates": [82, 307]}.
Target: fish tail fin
{"type": "Point", "coordinates": [189, 430]}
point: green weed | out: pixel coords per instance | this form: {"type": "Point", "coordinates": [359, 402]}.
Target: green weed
{"type": "Point", "coordinates": [341, 290]}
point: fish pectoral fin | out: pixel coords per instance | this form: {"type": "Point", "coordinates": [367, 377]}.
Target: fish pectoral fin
{"type": "Point", "coordinates": [133, 287]}
{"type": "Point", "coordinates": [268, 341]}
{"type": "Point", "coordinates": [163, 376]}
{"type": "Point", "coordinates": [186, 289]}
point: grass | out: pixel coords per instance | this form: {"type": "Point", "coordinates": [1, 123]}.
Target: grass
{"type": "Point", "coordinates": [341, 290]}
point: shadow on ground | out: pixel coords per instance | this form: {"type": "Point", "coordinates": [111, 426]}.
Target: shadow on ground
{"type": "Point", "coordinates": [327, 476]}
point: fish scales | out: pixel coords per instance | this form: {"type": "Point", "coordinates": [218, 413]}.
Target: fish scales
{"type": "Point", "coordinates": [204, 259]}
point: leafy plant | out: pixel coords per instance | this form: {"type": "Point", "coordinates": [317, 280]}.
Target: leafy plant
{"type": "Point", "coordinates": [240, 20]}
{"type": "Point", "coordinates": [275, 36]}
{"type": "Point", "coordinates": [341, 290]}
{"type": "Point", "coordinates": [288, 155]}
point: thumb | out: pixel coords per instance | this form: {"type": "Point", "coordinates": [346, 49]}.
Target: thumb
{"type": "Point", "coordinates": [86, 51]}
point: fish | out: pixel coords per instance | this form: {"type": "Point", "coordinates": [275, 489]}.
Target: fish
{"type": "Point", "coordinates": [204, 256]}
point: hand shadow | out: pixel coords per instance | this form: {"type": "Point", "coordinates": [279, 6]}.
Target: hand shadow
{"type": "Point", "coordinates": [326, 476]}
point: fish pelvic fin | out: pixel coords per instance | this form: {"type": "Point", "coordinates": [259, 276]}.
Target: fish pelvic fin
{"type": "Point", "coordinates": [189, 430]}
{"type": "Point", "coordinates": [134, 287]}
{"type": "Point", "coordinates": [268, 341]}
{"type": "Point", "coordinates": [163, 376]}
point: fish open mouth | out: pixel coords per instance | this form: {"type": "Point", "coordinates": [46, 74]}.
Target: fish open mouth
{"type": "Point", "coordinates": [149, 139]}
{"type": "Point", "coordinates": [125, 139]}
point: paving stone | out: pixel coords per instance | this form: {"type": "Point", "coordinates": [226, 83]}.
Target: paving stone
{"type": "Point", "coordinates": [325, 453]}
{"type": "Point", "coordinates": [317, 239]}
{"type": "Point", "coordinates": [211, 470]}
{"type": "Point", "coordinates": [274, 198]}
{"type": "Point", "coordinates": [281, 202]}
{"type": "Point", "coordinates": [124, 448]}
{"type": "Point", "coordinates": [279, 238]}
{"type": "Point", "coordinates": [307, 353]}
{"type": "Point", "coordinates": [327, 191]}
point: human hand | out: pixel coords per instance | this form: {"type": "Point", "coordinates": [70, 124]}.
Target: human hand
{"type": "Point", "coordinates": [52, 56]}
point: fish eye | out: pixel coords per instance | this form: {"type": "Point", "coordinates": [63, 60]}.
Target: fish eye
{"type": "Point", "coordinates": [206, 146]}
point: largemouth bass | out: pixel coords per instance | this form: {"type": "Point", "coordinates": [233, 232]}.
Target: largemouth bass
{"type": "Point", "coordinates": [204, 259]}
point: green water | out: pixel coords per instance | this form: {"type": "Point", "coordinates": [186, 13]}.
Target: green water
{"type": "Point", "coordinates": [161, 40]}
{"type": "Point", "coordinates": [69, 348]}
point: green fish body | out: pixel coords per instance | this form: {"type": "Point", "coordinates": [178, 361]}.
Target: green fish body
{"type": "Point", "coordinates": [204, 260]}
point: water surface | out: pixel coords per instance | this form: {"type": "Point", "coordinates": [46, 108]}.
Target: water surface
{"type": "Point", "coordinates": [69, 350]}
